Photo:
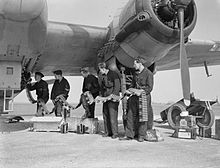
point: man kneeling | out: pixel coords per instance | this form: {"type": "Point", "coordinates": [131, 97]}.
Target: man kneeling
{"type": "Point", "coordinates": [42, 93]}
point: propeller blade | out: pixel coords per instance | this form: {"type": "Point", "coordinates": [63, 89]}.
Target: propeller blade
{"type": "Point", "coordinates": [184, 67]}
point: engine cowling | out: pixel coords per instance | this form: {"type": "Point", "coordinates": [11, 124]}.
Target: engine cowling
{"type": "Point", "coordinates": [150, 28]}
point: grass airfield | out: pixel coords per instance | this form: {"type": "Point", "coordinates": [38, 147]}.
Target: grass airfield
{"type": "Point", "coordinates": [20, 148]}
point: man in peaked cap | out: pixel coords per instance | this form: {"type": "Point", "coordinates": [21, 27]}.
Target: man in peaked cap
{"type": "Point", "coordinates": [61, 87]}
{"type": "Point", "coordinates": [42, 93]}
{"type": "Point", "coordinates": [58, 72]}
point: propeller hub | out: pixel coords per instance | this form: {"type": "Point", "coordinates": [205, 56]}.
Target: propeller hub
{"type": "Point", "coordinates": [167, 9]}
{"type": "Point", "coordinates": [176, 4]}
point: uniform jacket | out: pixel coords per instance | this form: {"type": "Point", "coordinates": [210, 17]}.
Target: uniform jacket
{"type": "Point", "coordinates": [143, 80]}
{"type": "Point", "coordinates": [60, 87]}
{"type": "Point", "coordinates": [91, 84]}
{"type": "Point", "coordinates": [109, 84]}
{"type": "Point", "coordinates": [42, 90]}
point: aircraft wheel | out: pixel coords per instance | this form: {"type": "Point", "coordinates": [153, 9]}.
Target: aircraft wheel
{"type": "Point", "coordinates": [207, 121]}
{"type": "Point", "coordinates": [173, 112]}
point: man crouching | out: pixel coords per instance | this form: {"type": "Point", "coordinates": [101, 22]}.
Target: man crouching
{"type": "Point", "coordinates": [60, 91]}
{"type": "Point", "coordinates": [90, 91]}
{"type": "Point", "coordinates": [42, 93]}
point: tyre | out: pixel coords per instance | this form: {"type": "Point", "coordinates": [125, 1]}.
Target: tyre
{"type": "Point", "coordinates": [207, 121]}
{"type": "Point", "coordinates": [173, 112]}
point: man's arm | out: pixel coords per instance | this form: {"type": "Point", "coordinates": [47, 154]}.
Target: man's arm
{"type": "Point", "coordinates": [45, 90]}
{"type": "Point", "coordinates": [116, 84]}
{"type": "Point", "coordinates": [67, 88]}
{"type": "Point", "coordinates": [149, 83]}
{"type": "Point", "coordinates": [100, 81]}
{"type": "Point", "coordinates": [52, 96]}
{"type": "Point", "coordinates": [84, 87]}
{"type": "Point", "coordinates": [80, 102]}
{"type": "Point", "coordinates": [31, 87]}
{"type": "Point", "coordinates": [133, 81]}
{"type": "Point", "coordinates": [95, 84]}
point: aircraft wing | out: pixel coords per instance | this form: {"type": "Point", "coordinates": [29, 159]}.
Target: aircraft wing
{"type": "Point", "coordinates": [198, 52]}
{"type": "Point", "coordinates": [69, 47]}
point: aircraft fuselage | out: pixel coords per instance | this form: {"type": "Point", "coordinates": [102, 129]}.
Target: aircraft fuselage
{"type": "Point", "coordinates": [23, 30]}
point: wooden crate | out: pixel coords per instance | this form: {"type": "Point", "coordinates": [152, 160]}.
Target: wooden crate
{"type": "Point", "coordinates": [189, 133]}
{"type": "Point", "coordinates": [46, 123]}
{"type": "Point", "coordinates": [186, 121]}
{"type": "Point", "coordinates": [91, 124]}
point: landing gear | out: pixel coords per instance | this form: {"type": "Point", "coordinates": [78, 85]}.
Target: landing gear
{"type": "Point", "coordinates": [200, 109]}
{"type": "Point", "coordinates": [207, 119]}
{"type": "Point", "coordinates": [173, 112]}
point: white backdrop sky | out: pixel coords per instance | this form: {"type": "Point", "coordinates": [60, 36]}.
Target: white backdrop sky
{"type": "Point", "coordinates": [167, 84]}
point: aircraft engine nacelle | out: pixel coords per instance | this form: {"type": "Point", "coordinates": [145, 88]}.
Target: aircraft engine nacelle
{"type": "Point", "coordinates": [150, 28]}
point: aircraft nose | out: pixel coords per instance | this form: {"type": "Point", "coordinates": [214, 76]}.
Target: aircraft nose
{"type": "Point", "coordinates": [21, 10]}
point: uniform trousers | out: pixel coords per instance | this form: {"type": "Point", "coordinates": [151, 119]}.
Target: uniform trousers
{"type": "Point", "coordinates": [89, 108]}
{"type": "Point", "coordinates": [110, 117]}
{"type": "Point", "coordinates": [134, 128]}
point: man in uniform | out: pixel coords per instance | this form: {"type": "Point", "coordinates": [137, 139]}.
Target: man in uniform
{"type": "Point", "coordinates": [90, 86]}
{"type": "Point", "coordinates": [60, 88]}
{"type": "Point", "coordinates": [42, 93]}
{"type": "Point", "coordinates": [109, 85]}
{"type": "Point", "coordinates": [140, 113]}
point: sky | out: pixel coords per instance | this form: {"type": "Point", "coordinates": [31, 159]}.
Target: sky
{"type": "Point", "coordinates": [167, 87]}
